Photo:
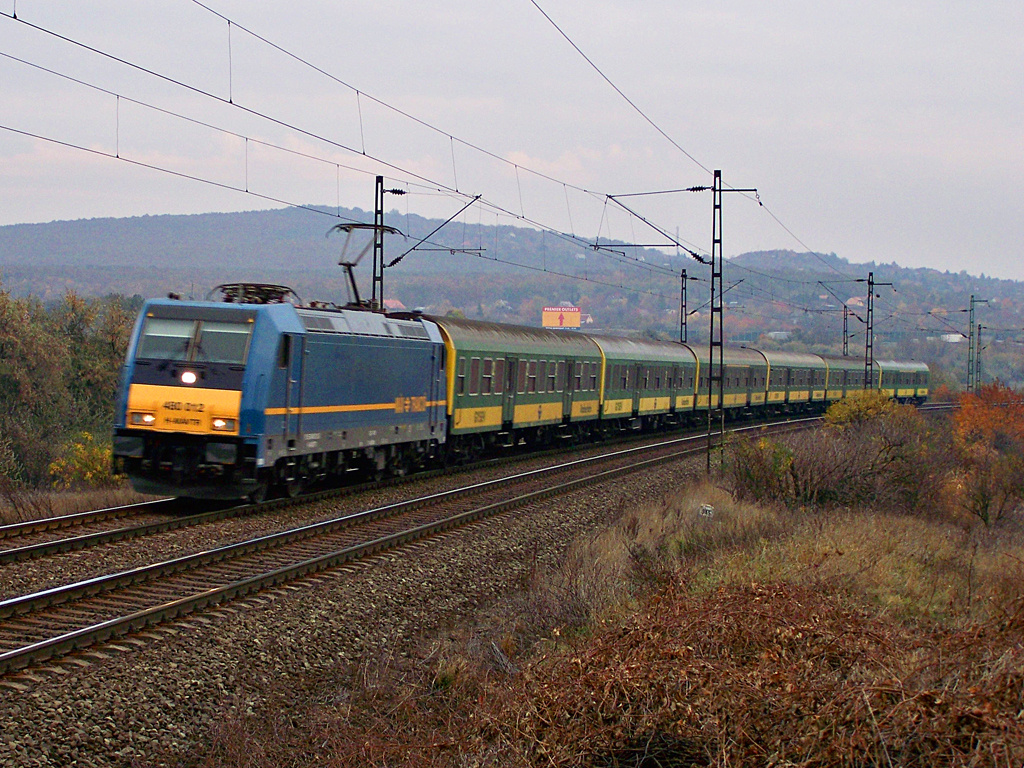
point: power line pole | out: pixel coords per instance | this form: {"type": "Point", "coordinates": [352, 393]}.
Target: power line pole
{"type": "Point", "coordinates": [682, 308]}
{"type": "Point", "coordinates": [716, 343]}
{"type": "Point", "coordinates": [683, 312]}
{"type": "Point", "coordinates": [869, 338]}
{"type": "Point", "coordinates": [846, 318]}
{"type": "Point", "coordinates": [377, 290]}
{"type": "Point", "coordinates": [973, 343]}
{"type": "Point", "coordinates": [977, 359]}
{"type": "Point", "coordinates": [846, 331]}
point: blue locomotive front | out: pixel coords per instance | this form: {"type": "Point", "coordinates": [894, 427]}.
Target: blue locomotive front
{"type": "Point", "coordinates": [226, 400]}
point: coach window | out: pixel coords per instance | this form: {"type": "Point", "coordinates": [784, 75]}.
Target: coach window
{"type": "Point", "coordinates": [474, 376]}
{"type": "Point", "coordinates": [593, 377]}
{"type": "Point", "coordinates": [486, 376]}
{"type": "Point", "coordinates": [499, 376]}
{"type": "Point", "coordinates": [531, 381]}
{"type": "Point", "coordinates": [578, 373]}
{"type": "Point", "coordinates": [561, 375]}
{"type": "Point", "coordinates": [522, 377]}
{"type": "Point", "coordinates": [542, 368]}
{"type": "Point", "coordinates": [551, 376]}
{"type": "Point", "coordinates": [460, 377]}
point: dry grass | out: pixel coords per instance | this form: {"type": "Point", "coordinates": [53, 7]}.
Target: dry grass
{"type": "Point", "coordinates": [20, 505]}
{"type": "Point", "coordinates": [753, 636]}
{"type": "Point", "coordinates": [910, 567]}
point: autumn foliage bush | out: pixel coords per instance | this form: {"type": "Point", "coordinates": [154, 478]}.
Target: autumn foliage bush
{"type": "Point", "coordinates": [84, 464]}
{"type": "Point", "coordinates": [988, 430]}
{"type": "Point", "coordinates": [59, 364]}
{"type": "Point", "coordinates": [871, 451]}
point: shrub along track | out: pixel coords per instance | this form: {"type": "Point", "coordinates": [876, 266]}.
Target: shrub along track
{"type": "Point", "coordinates": [54, 622]}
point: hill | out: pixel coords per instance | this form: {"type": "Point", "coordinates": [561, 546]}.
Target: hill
{"type": "Point", "coordinates": [509, 273]}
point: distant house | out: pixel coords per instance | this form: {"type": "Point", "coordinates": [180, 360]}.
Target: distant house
{"type": "Point", "coordinates": [855, 301]}
{"type": "Point", "coordinates": [952, 338]}
{"type": "Point", "coordinates": [779, 335]}
{"type": "Point", "coordinates": [394, 305]}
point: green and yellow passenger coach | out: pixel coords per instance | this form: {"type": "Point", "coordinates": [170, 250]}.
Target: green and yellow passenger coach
{"type": "Point", "coordinates": [744, 379]}
{"type": "Point", "coordinates": [646, 382]}
{"type": "Point", "coordinates": [903, 381]}
{"type": "Point", "coordinates": [501, 378]}
{"type": "Point", "coordinates": [796, 381]}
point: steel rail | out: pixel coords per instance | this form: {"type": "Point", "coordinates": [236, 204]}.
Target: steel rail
{"type": "Point", "coordinates": [79, 518]}
{"type": "Point", "coordinates": [85, 540]}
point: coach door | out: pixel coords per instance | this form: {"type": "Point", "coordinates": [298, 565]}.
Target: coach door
{"type": "Point", "coordinates": [434, 395]}
{"type": "Point", "coordinates": [639, 383]}
{"type": "Point", "coordinates": [562, 383]}
{"type": "Point", "coordinates": [508, 402]}
{"type": "Point", "coordinates": [293, 347]}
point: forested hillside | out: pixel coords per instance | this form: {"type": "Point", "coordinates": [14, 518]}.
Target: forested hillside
{"type": "Point", "coordinates": [509, 274]}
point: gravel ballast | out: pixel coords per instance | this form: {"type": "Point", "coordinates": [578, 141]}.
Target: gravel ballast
{"type": "Point", "coordinates": [152, 699]}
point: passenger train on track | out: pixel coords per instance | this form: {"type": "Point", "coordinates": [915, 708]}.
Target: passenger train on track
{"type": "Point", "coordinates": [229, 399]}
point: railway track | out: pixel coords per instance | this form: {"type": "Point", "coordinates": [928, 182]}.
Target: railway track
{"type": "Point", "coordinates": [54, 622]}
{"type": "Point", "coordinates": [144, 521]}
{"type": "Point", "coordinates": [34, 538]}
{"type": "Point", "coordinates": [83, 520]}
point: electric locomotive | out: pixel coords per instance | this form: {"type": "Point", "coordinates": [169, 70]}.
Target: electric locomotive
{"type": "Point", "coordinates": [227, 399]}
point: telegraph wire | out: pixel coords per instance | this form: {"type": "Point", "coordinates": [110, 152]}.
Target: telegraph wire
{"type": "Point", "coordinates": [380, 102]}
{"type": "Point", "coordinates": [179, 174]}
{"type": "Point", "coordinates": [441, 186]}
{"type": "Point", "coordinates": [312, 209]}
{"type": "Point", "coordinates": [306, 155]}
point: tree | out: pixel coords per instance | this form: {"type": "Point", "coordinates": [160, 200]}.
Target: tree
{"type": "Point", "coordinates": [988, 432]}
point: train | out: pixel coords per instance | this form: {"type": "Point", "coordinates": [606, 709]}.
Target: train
{"type": "Point", "coordinates": [257, 393]}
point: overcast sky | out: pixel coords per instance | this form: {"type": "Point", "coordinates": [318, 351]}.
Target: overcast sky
{"type": "Point", "coordinates": [885, 131]}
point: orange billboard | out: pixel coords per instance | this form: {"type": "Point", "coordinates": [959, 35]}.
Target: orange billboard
{"type": "Point", "coordinates": [561, 317]}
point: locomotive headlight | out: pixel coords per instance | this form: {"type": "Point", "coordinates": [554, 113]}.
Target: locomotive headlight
{"type": "Point", "coordinates": [188, 377]}
{"type": "Point", "coordinates": [223, 425]}
{"type": "Point", "coordinates": [143, 419]}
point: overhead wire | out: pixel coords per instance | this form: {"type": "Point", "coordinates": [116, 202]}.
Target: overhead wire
{"type": "Point", "coordinates": [666, 136]}
{"type": "Point", "coordinates": [441, 186]}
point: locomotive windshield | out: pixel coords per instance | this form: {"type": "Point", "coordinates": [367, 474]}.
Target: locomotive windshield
{"type": "Point", "coordinates": [201, 341]}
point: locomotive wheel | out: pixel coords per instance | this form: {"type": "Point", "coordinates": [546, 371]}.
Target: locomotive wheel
{"type": "Point", "coordinates": [293, 488]}
{"type": "Point", "coordinates": [259, 494]}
